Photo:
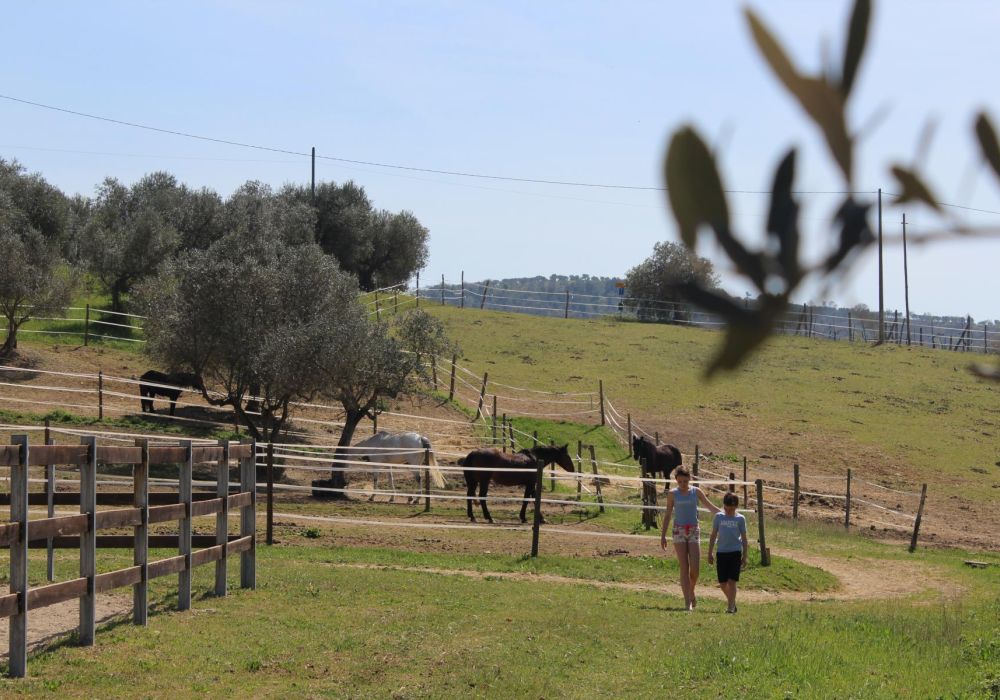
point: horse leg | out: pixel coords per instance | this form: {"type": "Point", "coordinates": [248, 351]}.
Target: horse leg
{"type": "Point", "coordinates": [470, 492]}
{"type": "Point", "coordinates": [392, 486]}
{"type": "Point", "coordinates": [415, 499]}
{"type": "Point", "coordinates": [371, 496]}
{"type": "Point", "coordinates": [484, 487]}
{"type": "Point", "coordinates": [173, 402]}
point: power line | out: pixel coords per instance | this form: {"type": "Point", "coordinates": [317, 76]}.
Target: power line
{"type": "Point", "coordinates": [456, 173]}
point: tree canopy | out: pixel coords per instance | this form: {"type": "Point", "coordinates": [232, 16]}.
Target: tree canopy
{"type": "Point", "coordinates": [659, 278]}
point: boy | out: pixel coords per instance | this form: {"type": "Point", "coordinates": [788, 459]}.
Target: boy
{"type": "Point", "coordinates": [730, 528]}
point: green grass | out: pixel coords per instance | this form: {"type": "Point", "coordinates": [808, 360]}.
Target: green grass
{"type": "Point", "coordinates": [811, 401]}
{"type": "Point", "coordinates": [141, 423]}
{"type": "Point", "coordinates": [318, 630]}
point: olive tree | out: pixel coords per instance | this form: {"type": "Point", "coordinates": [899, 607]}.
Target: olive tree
{"type": "Point", "coordinates": [423, 335]}
{"type": "Point", "coordinates": [249, 315]}
{"type": "Point", "coordinates": [653, 284]}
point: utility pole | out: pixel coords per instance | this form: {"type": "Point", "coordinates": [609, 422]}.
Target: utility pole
{"type": "Point", "coordinates": [881, 295]}
{"type": "Point", "coordinates": [313, 189]}
{"type": "Point", "coordinates": [906, 283]}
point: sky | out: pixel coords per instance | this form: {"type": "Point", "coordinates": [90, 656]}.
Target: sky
{"type": "Point", "coordinates": [584, 92]}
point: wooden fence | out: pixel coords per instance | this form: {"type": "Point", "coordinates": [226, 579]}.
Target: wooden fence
{"type": "Point", "coordinates": [143, 509]}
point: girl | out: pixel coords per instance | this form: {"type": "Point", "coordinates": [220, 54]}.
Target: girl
{"type": "Point", "coordinates": [686, 533]}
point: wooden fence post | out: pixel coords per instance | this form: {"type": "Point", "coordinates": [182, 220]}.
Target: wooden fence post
{"type": "Point", "coordinates": [795, 492]}
{"type": "Point", "coordinates": [50, 491]}
{"type": "Point", "coordinates": [442, 290]}
{"type": "Point", "coordinates": [140, 535]}
{"type": "Point", "coordinates": [395, 302]}
{"type": "Point", "coordinates": [100, 395]}
{"type": "Point", "coordinates": [434, 371]}
{"type": "Point", "coordinates": [248, 483]}
{"type": "Point", "coordinates": [88, 540]}
{"type": "Point", "coordinates": [732, 486]}
{"type": "Point", "coordinates": [451, 388]}
{"type": "Point", "coordinates": [463, 289]}
{"type": "Point", "coordinates": [600, 389]}
{"type": "Point", "coordinates": [86, 328]}
{"type": "Point", "coordinates": [482, 395]}
{"type": "Point", "coordinates": [486, 290]}
{"type": "Point", "coordinates": [536, 523]}
{"type": "Point", "coordinates": [510, 428]}
{"type": "Point", "coordinates": [503, 434]}
{"type": "Point", "coordinates": [494, 416]}
{"type": "Point", "coordinates": [746, 496]}
{"type": "Point", "coordinates": [269, 535]}
{"type": "Point", "coordinates": [427, 481]}
{"type": "Point", "coordinates": [567, 305]}
{"type": "Point", "coordinates": [534, 437]}
{"type": "Point", "coordinates": [765, 553]}
{"type": "Point", "coordinates": [597, 479]}
{"type": "Point", "coordinates": [656, 436]}
{"type": "Point", "coordinates": [579, 476]}
{"type": "Point", "coordinates": [644, 493]}
{"type": "Point", "coordinates": [184, 495]}
{"type": "Point", "coordinates": [628, 421]}
{"type": "Point", "coordinates": [222, 519]}
{"type": "Point", "coordinates": [18, 622]}
{"type": "Point", "coordinates": [847, 505]}
{"type": "Point", "coordinates": [920, 515]}
{"type": "Point", "coordinates": [697, 460]}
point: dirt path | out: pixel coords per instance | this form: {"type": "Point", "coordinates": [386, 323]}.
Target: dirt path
{"type": "Point", "coordinates": [45, 625]}
{"type": "Point", "coordinates": [859, 580]}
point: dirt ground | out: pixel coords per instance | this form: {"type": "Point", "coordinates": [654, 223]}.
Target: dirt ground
{"type": "Point", "coordinates": [48, 625]}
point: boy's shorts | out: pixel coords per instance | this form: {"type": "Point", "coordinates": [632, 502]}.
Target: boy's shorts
{"type": "Point", "coordinates": [686, 533]}
{"type": "Point", "coordinates": [727, 566]}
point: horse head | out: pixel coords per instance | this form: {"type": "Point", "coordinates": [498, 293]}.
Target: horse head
{"type": "Point", "coordinates": [638, 447]}
{"type": "Point", "coordinates": [563, 458]}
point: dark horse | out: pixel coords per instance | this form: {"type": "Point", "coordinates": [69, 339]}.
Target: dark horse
{"type": "Point", "coordinates": [492, 464]}
{"type": "Point", "coordinates": [660, 459]}
{"type": "Point", "coordinates": [175, 379]}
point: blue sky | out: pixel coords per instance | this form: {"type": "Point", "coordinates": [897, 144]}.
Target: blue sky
{"type": "Point", "coordinates": [578, 91]}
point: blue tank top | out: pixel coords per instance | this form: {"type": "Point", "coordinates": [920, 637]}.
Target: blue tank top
{"type": "Point", "coordinates": [686, 506]}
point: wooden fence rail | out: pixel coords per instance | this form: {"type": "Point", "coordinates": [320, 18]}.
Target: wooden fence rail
{"type": "Point", "coordinates": [143, 509]}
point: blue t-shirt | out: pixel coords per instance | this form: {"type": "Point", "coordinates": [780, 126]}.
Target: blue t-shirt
{"type": "Point", "coordinates": [730, 528]}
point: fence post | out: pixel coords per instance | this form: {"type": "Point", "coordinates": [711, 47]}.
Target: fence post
{"type": "Point", "coordinates": [765, 553]}
{"type": "Point", "coordinates": [427, 481]}
{"type": "Point", "coordinates": [645, 493]}
{"type": "Point", "coordinates": [86, 328]}
{"type": "Point", "coordinates": [18, 636]}
{"type": "Point", "coordinates": [656, 435]}
{"type": "Point", "coordinates": [100, 395]}
{"type": "Point", "coordinates": [248, 484]}
{"type": "Point", "coordinates": [920, 515]}
{"type": "Point", "coordinates": [434, 371]}
{"type": "Point", "coordinates": [537, 519]}
{"type": "Point", "coordinates": [534, 438]}
{"type": "Point", "coordinates": [451, 388]}
{"type": "Point", "coordinates": [597, 479]}
{"type": "Point", "coordinates": [184, 495]}
{"type": "Point", "coordinates": [746, 496]}
{"type": "Point", "coordinates": [579, 476]}
{"type": "Point", "coordinates": [795, 492]}
{"type": "Point", "coordinates": [50, 491]}
{"type": "Point", "coordinates": [567, 304]}
{"type": "Point", "coordinates": [850, 327]}
{"type": "Point", "coordinates": [395, 302]}
{"type": "Point", "coordinates": [732, 486]}
{"type": "Point", "coordinates": [628, 421]}
{"type": "Point", "coordinates": [222, 519]}
{"type": "Point", "coordinates": [140, 535]}
{"type": "Point", "coordinates": [482, 395]}
{"type": "Point", "coordinates": [486, 290]}
{"type": "Point", "coordinates": [270, 494]}
{"type": "Point", "coordinates": [378, 310]}
{"type": "Point", "coordinates": [847, 505]}
{"type": "Point", "coordinates": [697, 459]}
{"type": "Point", "coordinates": [600, 389]}
{"type": "Point", "coordinates": [503, 434]}
{"type": "Point", "coordinates": [463, 289]}
{"type": "Point", "coordinates": [442, 290]}
{"type": "Point", "coordinates": [494, 417]}
{"type": "Point", "coordinates": [88, 540]}
{"type": "Point", "coordinates": [510, 428]}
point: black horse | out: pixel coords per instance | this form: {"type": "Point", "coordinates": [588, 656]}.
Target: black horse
{"type": "Point", "coordinates": [158, 383]}
{"type": "Point", "coordinates": [493, 465]}
{"type": "Point", "coordinates": [660, 459]}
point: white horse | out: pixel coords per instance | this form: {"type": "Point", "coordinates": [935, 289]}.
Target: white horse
{"type": "Point", "coordinates": [411, 448]}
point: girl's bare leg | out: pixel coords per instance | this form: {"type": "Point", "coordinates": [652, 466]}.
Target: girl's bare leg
{"type": "Point", "coordinates": [683, 560]}
{"type": "Point", "coordinates": [694, 568]}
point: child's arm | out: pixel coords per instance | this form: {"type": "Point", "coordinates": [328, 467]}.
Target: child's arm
{"type": "Point", "coordinates": [746, 548]}
{"type": "Point", "coordinates": [666, 520]}
{"type": "Point", "coordinates": [711, 542]}
{"type": "Point", "coordinates": [707, 503]}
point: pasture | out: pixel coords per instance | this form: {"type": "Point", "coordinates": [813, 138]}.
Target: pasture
{"type": "Point", "coordinates": [355, 608]}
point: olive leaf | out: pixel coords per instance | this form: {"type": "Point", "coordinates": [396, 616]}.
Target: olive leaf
{"type": "Point", "coordinates": [822, 101]}
{"type": "Point", "coordinates": [854, 232]}
{"type": "Point", "coordinates": [857, 37]}
{"type": "Point", "coordinates": [694, 186]}
{"type": "Point", "coordinates": [988, 141]}
{"type": "Point", "coordinates": [913, 187]}
{"type": "Point", "coordinates": [782, 220]}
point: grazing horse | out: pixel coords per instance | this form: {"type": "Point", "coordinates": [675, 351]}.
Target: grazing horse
{"type": "Point", "coordinates": [155, 387]}
{"type": "Point", "coordinates": [492, 464]}
{"type": "Point", "coordinates": [659, 458]}
{"type": "Point", "coordinates": [410, 446]}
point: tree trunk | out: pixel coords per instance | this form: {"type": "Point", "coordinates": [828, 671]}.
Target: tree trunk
{"type": "Point", "coordinates": [10, 344]}
{"type": "Point", "coordinates": [351, 420]}
{"type": "Point", "coordinates": [117, 289]}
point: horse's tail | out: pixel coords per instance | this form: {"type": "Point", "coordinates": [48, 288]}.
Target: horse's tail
{"type": "Point", "coordinates": [436, 476]}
